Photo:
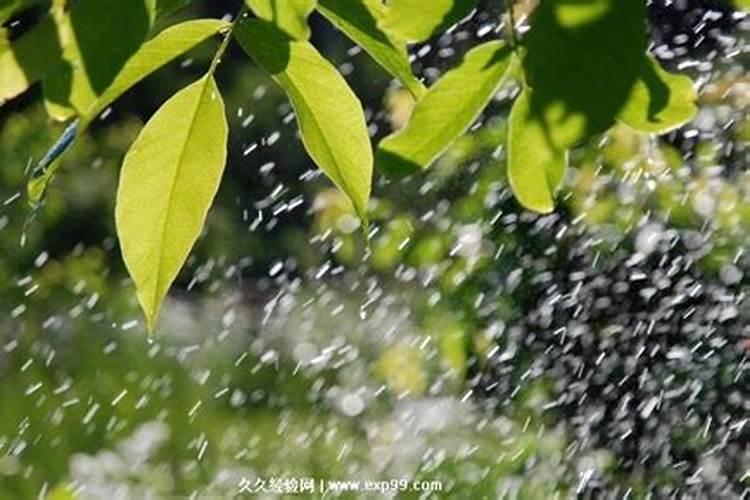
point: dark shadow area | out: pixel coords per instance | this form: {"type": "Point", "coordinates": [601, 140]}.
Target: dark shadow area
{"type": "Point", "coordinates": [658, 90]}
{"type": "Point", "coordinates": [395, 166]}
{"type": "Point", "coordinates": [108, 33]}
{"type": "Point", "coordinates": [265, 43]}
{"type": "Point", "coordinates": [35, 51]}
{"type": "Point", "coordinates": [10, 9]}
{"type": "Point", "coordinates": [459, 10]}
{"type": "Point", "coordinates": [582, 61]}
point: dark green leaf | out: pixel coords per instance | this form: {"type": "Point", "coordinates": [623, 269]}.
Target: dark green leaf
{"type": "Point", "coordinates": [8, 8]}
{"type": "Point", "coordinates": [582, 60]}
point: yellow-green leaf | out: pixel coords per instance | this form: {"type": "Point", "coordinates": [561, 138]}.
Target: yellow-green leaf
{"type": "Point", "coordinates": [330, 117]}
{"type": "Point", "coordinates": [659, 101]}
{"type": "Point", "coordinates": [358, 20]}
{"type": "Point", "coordinates": [290, 16]}
{"type": "Point", "coordinates": [446, 111]}
{"type": "Point", "coordinates": [28, 58]}
{"type": "Point", "coordinates": [418, 20]}
{"type": "Point", "coordinates": [168, 181]}
{"type": "Point", "coordinates": [535, 166]}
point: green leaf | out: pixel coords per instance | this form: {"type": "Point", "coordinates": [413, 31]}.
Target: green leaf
{"type": "Point", "coordinates": [27, 59]}
{"type": "Point", "coordinates": [154, 54]}
{"type": "Point", "coordinates": [329, 115]}
{"type": "Point", "coordinates": [582, 59]}
{"type": "Point", "coordinates": [357, 19]}
{"type": "Point", "coordinates": [290, 16]}
{"type": "Point", "coordinates": [660, 101]}
{"type": "Point", "coordinates": [98, 38]}
{"type": "Point", "coordinates": [535, 166]}
{"type": "Point", "coordinates": [168, 181]}
{"type": "Point", "coordinates": [446, 111]}
{"type": "Point", "coordinates": [418, 20]}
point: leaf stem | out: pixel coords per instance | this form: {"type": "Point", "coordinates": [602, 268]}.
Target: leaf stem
{"type": "Point", "coordinates": [227, 38]}
{"type": "Point", "coordinates": [512, 25]}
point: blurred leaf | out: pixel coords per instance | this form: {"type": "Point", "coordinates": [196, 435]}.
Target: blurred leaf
{"type": "Point", "coordinates": [660, 101]}
{"type": "Point", "coordinates": [582, 60]}
{"type": "Point", "coordinates": [418, 20]}
{"type": "Point", "coordinates": [447, 110]}
{"type": "Point", "coordinates": [330, 117]}
{"type": "Point", "coordinates": [290, 16]}
{"type": "Point", "coordinates": [358, 20]}
{"type": "Point", "coordinates": [27, 59]}
{"type": "Point", "coordinates": [155, 53]}
{"type": "Point", "coordinates": [403, 369]}
{"type": "Point", "coordinates": [98, 38]}
{"type": "Point", "coordinates": [169, 179]}
{"type": "Point", "coordinates": [535, 166]}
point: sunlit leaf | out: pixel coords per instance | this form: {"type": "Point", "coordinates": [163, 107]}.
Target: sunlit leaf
{"type": "Point", "coordinates": [290, 16]}
{"type": "Point", "coordinates": [582, 60]}
{"type": "Point", "coordinates": [660, 101]}
{"type": "Point", "coordinates": [155, 53]}
{"type": "Point", "coordinates": [535, 166]}
{"type": "Point", "coordinates": [98, 38]}
{"type": "Point", "coordinates": [447, 110]}
{"type": "Point", "coordinates": [358, 20]}
{"type": "Point", "coordinates": [168, 181]}
{"type": "Point", "coordinates": [418, 20]}
{"type": "Point", "coordinates": [330, 117]}
{"type": "Point", "coordinates": [27, 59]}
